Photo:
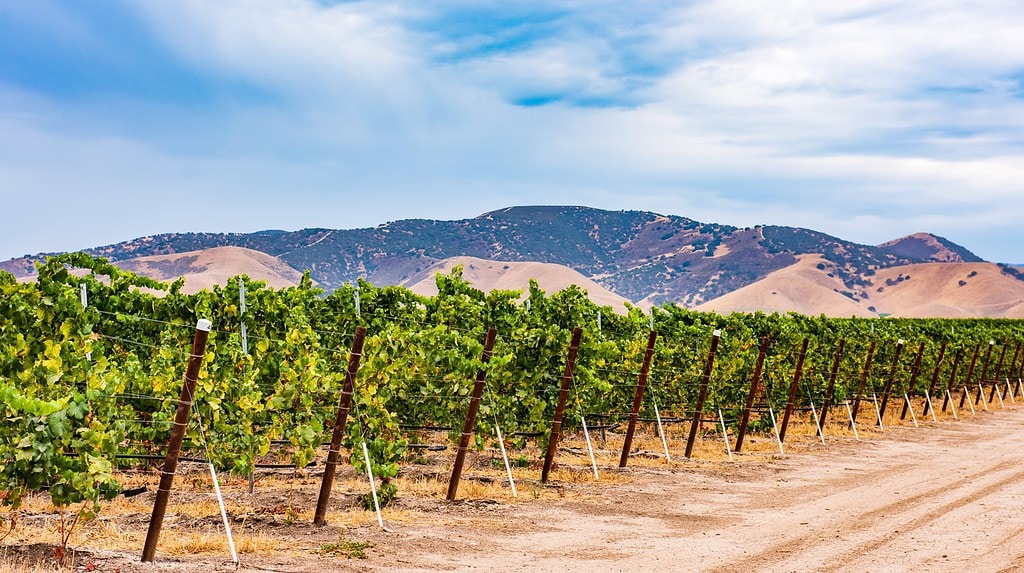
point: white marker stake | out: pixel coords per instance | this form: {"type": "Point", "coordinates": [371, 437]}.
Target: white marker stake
{"type": "Point", "coordinates": [1009, 391]}
{"type": "Point", "coordinates": [931, 407]}
{"type": "Point", "coordinates": [817, 423]}
{"type": "Point", "coordinates": [661, 432]}
{"type": "Point", "coordinates": [910, 407]}
{"type": "Point", "coordinates": [853, 424]}
{"type": "Point", "coordinates": [775, 426]}
{"type": "Point", "coordinates": [224, 515]}
{"type": "Point", "coordinates": [241, 317]}
{"type": "Point", "coordinates": [373, 485]}
{"type": "Point", "coordinates": [952, 404]}
{"type": "Point", "coordinates": [504, 456]}
{"type": "Point", "coordinates": [981, 393]}
{"type": "Point", "coordinates": [878, 412]}
{"type": "Point", "coordinates": [1002, 406]}
{"type": "Point", "coordinates": [970, 402]}
{"type": "Point", "coordinates": [590, 448]}
{"type": "Point", "coordinates": [725, 434]}
{"type": "Point", "coordinates": [85, 304]}
{"type": "Point", "coordinates": [1020, 386]}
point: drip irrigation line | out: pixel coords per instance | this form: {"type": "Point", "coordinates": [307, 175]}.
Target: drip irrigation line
{"type": "Point", "coordinates": [427, 324]}
{"type": "Point", "coordinates": [143, 397]}
{"type": "Point", "coordinates": [137, 343]}
{"type": "Point", "coordinates": [143, 318]}
{"type": "Point", "coordinates": [345, 335]}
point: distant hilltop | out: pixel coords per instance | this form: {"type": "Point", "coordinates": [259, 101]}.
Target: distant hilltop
{"type": "Point", "coordinates": [637, 256]}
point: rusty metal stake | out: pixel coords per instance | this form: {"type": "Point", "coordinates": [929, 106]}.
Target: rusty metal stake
{"type": "Point", "coordinates": [340, 419]}
{"type": "Point", "coordinates": [755, 385]}
{"type": "Point", "coordinates": [170, 466]}
{"type": "Point", "coordinates": [887, 389]}
{"type": "Point", "coordinates": [792, 390]}
{"type": "Point", "coordinates": [474, 407]}
{"type": "Point", "coordinates": [865, 373]}
{"type": "Point", "coordinates": [563, 395]}
{"type": "Point", "coordinates": [703, 393]}
{"type": "Point", "coordinates": [638, 398]}
{"type": "Point", "coordinates": [831, 384]}
{"type": "Point", "coordinates": [913, 382]}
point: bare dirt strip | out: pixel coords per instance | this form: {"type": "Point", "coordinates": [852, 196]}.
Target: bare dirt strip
{"type": "Point", "coordinates": [945, 497]}
{"type": "Point", "coordinates": [948, 496]}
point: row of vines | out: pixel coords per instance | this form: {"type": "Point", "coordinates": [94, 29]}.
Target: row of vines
{"type": "Point", "coordinates": [91, 361]}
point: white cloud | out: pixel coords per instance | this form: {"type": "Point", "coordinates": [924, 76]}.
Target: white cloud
{"type": "Point", "coordinates": [862, 117]}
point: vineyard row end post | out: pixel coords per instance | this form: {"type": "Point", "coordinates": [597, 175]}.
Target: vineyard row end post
{"type": "Point", "coordinates": [887, 389]}
{"type": "Point", "coordinates": [470, 423]}
{"type": "Point", "coordinates": [563, 395]}
{"type": "Point", "coordinates": [831, 384]}
{"type": "Point", "coordinates": [340, 420]}
{"type": "Point", "coordinates": [638, 398]}
{"type": "Point", "coordinates": [703, 393]}
{"type": "Point", "coordinates": [935, 378]}
{"type": "Point", "coordinates": [755, 385]}
{"type": "Point", "coordinates": [913, 380]}
{"type": "Point", "coordinates": [170, 466]}
{"type": "Point", "coordinates": [790, 402]}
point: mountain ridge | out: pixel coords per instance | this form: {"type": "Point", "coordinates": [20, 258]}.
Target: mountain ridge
{"type": "Point", "coordinates": [642, 256]}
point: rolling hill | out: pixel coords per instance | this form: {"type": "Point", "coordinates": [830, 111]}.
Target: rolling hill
{"type": "Point", "coordinates": [639, 256]}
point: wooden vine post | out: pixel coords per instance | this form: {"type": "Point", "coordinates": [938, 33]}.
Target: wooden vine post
{"type": "Point", "coordinates": [797, 374]}
{"type": "Point", "coordinates": [344, 404]}
{"type": "Point", "coordinates": [470, 423]}
{"type": "Point", "coordinates": [970, 374]}
{"type": "Point", "coordinates": [703, 393]}
{"type": "Point", "coordinates": [1012, 369]}
{"type": "Point", "coordinates": [951, 383]}
{"type": "Point", "coordinates": [984, 370]}
{"type": "Point", "coordinates": [864, 374]}
{"type": "Point", "coordinates": [999, 370]}
{"type": "Point", "coordinates": [638, 398]}
{"type": "Point", "coordinates": [935, 378]}
{"type": "Point", "coordinates": [831, 384]}
{"type": "Point", "coordinates": [755, 387]}
{"type": "Point", "coordinates": [913, 380]}
{"type": "Point", "coordinates": [887, 389]}
{"type": "Point", "coordinates": [170, 466]}
{"type": "Point", "coordinates": [563, 395]}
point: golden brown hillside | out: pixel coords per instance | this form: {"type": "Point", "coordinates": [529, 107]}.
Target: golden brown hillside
{"type": "Point", "coordinates": [800, 287]}
{"type": "Point", "coordinates": [203, 269]}
{"type": "Point", "coordinates": [925, 290]}
{"type": "Point", "coordinates": [488, 275]}
{"type": "Point", "coordinates": [955, 290]}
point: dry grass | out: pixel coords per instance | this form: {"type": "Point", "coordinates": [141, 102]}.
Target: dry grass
{"type": "Point", "coordinates": [8, 565]}
{"type": "Point", "coordinates": [272, 521]}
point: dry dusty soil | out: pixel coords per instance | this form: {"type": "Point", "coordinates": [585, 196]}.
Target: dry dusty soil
{"type": "Point", "coordinates": [944, 497]}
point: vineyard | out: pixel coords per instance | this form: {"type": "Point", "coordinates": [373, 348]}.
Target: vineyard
{"type": "Point", "coordinates": [92, 360]}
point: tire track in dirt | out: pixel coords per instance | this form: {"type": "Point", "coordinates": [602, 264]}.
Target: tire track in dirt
{"type": "Point", "coordinates": [867, 547]}
{"type": "Point", "coordinates": [864, 530]}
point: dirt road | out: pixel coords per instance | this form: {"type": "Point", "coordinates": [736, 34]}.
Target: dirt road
{"type": "Point", "coordinates": [947, 497]}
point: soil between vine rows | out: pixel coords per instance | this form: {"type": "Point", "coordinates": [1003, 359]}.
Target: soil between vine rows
{"type": "Point", "coordinates": [943, 497]}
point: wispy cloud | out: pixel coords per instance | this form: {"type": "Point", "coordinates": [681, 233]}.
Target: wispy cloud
{"type": "Point", "coordinates": [867, 119]}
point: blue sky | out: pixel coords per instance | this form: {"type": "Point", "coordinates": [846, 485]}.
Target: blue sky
{"type": "Point", "coordinates": [865, 119]}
